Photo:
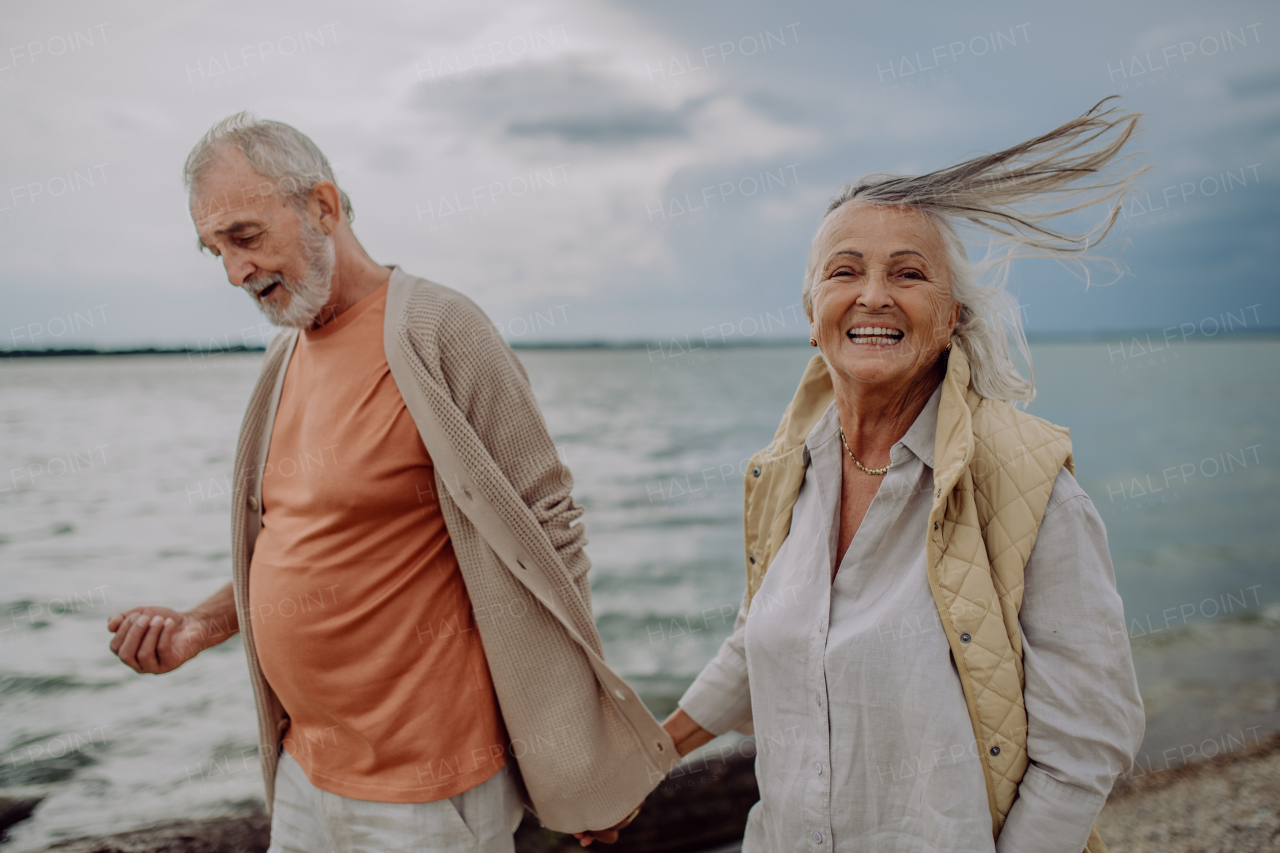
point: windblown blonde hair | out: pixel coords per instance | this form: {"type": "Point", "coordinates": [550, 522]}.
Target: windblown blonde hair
{"type": "Point", "coordinates": [1009, 197]}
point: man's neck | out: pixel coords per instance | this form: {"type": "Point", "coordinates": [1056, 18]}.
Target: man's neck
{"type": "Point", "coordinates": [355, 276]}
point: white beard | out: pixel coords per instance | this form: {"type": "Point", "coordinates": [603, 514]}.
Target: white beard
{"type": "Point", "coordinates": [309, 295]}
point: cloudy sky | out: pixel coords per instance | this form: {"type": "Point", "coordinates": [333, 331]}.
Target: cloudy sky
{"type": "Point", "coordinates": [616, 171]}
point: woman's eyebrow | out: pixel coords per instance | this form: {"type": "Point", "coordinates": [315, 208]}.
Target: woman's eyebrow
{"type": "Point", "coordinates": [904, 252]}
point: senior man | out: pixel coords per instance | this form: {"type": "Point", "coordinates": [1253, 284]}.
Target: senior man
{"type": "Point", "coordinates": [406, 572]}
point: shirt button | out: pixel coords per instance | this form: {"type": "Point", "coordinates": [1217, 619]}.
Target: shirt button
{"type": "Point", "coordinates": [817, 765]}
{"type": "Point", "coordinates": [817, 838]}
{"type": "Point", "coordinates": [253, 503]}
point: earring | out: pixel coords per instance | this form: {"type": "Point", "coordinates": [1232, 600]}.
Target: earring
{"type": "Point", "coordinates": [948, 349]}
{"type": "Point", "coordinates": [812, 342]}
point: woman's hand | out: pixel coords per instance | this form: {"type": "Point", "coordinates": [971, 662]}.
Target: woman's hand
{"type": "Point", "coordinates": [687, 734]}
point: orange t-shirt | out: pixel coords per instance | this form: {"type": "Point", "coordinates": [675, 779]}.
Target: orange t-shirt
{"type": "Point", "coordinates": [361, 619]}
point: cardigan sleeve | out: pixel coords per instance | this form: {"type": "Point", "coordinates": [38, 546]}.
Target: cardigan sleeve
{"type": "Point", "coordinates": [1084, 714]}
{"type": "Point", "coordinates": [490, 386]}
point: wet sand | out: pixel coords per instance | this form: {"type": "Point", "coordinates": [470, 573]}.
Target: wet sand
{"type": "Point", "coordinates": [1227, 803]}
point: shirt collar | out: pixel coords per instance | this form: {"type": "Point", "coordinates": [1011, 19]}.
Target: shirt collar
{"type": "Point", "coordinates": [919, 439]}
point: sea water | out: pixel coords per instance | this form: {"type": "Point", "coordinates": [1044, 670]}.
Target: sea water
{"type": "Point", "coordinates": [115, 491]}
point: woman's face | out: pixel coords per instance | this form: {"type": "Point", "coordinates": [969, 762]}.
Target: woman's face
{"type": "Point", "coordinates": [882, 310]}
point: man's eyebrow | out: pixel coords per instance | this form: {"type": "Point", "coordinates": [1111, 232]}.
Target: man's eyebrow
{"type": "Point", "coordinates": [237, 227]}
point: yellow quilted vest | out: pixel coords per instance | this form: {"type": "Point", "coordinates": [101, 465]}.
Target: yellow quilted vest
{"type": "Point", "coordinates": [994, 468]}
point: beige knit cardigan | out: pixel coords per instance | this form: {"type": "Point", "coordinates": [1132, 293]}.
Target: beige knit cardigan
{"type": "Point", "coordinates": [586, 749]}
{"type": "Point", "coordinates": [994, 468]}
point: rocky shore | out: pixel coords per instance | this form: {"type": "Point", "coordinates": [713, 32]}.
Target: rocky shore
{"type": "Point", "coordinates": [1227, 803]}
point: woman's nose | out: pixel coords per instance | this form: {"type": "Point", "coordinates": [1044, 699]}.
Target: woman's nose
{"type": "Point", "coordinates": [875, 294]}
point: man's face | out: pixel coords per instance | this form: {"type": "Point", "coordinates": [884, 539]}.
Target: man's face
{"type": "Point", "coordinates": [271, 250]}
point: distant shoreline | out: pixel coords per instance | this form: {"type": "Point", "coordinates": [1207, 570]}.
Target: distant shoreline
{"type": "Point", "coordinates": [673, 342]}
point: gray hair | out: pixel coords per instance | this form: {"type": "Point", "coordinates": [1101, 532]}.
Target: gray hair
{"type": "Point", "coordinates": [1008, 196]}
{"type": "Point", "coordinates": [281, 153]}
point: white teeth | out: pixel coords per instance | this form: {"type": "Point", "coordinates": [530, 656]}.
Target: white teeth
{"type": "Point", "coordinates": [877, 331]}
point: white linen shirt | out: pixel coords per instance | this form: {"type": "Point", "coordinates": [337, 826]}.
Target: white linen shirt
{"type": "Point", "coordinates": [862, 732]}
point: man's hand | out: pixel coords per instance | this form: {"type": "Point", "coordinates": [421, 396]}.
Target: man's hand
{"type": "Point", "coordinates": [160, 639]}
{"type": "Point", "coordinates": [688, 736]}
{"type": "Point", "coordinates": [608, 836]}
{"type": "Point", "coordinates": [157, 639]}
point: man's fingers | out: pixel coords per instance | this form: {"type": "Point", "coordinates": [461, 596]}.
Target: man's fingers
{"type": "Point", "coordinates": [147, 648]}
{"type": "Point", "coordinates": [129, 648]}
{"type": "Point", "coordinates": [165, 653]}
{"type": "Point", "coordinates": [120, 625]}
{"type": "Point", "coordinates": [122, 633]}
{"type": "Point", "coordinates": [607, 836]}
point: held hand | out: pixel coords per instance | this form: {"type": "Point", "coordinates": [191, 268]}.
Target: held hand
{"type": "Point", "coordinates": [156, 639]}
{"type": "Point", "coordinates": [686, 733]}
{"type": "Point", "coordinates": [608, 836]}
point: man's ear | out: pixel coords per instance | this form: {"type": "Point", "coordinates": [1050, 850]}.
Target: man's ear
{"type": "Point", "coordinates": [326, 205]}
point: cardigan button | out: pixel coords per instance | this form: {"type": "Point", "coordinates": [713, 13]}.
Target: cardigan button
{"type": "Point", "coordinates": [964, 638]}
{"type": "Point", "coordinates": [755, 472]}
{"type": "Point", "coordinates": [253, 503]}
{"type": "Point", "coordinates": [995, 750]}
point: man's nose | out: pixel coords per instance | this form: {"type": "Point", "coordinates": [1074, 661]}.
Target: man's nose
{"type": "Point", "coordinates": [238, 270]}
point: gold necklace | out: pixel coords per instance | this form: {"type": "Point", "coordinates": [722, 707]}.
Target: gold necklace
{"type": "Point", "coordinates": [877, 471]}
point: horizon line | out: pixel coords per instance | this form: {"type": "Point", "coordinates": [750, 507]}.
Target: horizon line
{"type": "Point", "coordinates": [1122, 335]}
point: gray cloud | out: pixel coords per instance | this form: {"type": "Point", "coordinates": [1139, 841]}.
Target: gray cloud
{"type": "Point", "coordinates": [618, 128]}
{"type": "Point", "coordinates": [575, 100]}
{"type": "Point", "coordinates": [1255, 85]}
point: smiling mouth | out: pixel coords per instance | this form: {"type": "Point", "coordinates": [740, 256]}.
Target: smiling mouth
{"type": "Point", "coordinates": [876, 336]}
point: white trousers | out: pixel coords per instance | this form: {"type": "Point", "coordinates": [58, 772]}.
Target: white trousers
{"type": "Point", "coordinates": [306, 819]}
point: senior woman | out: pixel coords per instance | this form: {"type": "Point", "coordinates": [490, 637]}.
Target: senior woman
{"type": "Point", "coordinates": [932, 651]}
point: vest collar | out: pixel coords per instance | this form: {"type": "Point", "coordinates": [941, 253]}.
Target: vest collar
{"type": "Point", "coordinates": [953, 442]}
{"type": "Point", "coordinates": [953, 438]}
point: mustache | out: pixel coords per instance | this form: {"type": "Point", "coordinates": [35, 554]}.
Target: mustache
{"type": "Point", "coordinates": [255, 286]}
